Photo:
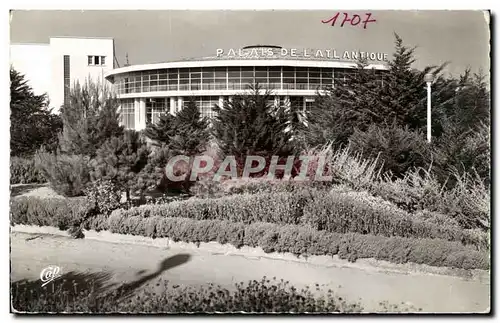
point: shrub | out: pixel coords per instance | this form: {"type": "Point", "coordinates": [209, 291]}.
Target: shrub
{"type": "Point", "coordinates": [467, 201]}
{"type": "Point", "coordinates": [120, 160]}
{"type": "Point", "coordinates": [344, 166]}
{"type": "Point", "coordinates": [259, 186]}
{"type": "Point", "coordinates": [104, 195]}
{"type": "Point", "coordinates": [67, 174]}
{"type": "Point", "coordinates": [418, 190]}
{"type": "Point", "coordinates": [55, 212]}
{"type": "Point", "coordinates": [400, 149]}
{"type": "Point", "coordinates": [283, 208]}
{"type": "Point", "coordinates": [297, 239]}
{"type": "Point", "coordinates": [264, 296]}
{"type": "Point", "coordinates": [23, 171]}
{"type": "Point", "coordinates": [301, 240]}
{"type": "Point", "coordinates": [355, 212]}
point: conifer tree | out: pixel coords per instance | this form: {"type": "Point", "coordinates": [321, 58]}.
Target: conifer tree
{"type": "Point", "coordinates": [32, 123]}
{"type": "Point", "coordinates": [249, 125]}
{"type": "Point", "coordinates": [89, 119]}
{"type": "Point", "coordinates": [162, 131]}
{"type": "Point", "coordinates": [120, 160]}
{"type": "Point", "coordinates": [186, 132]}
{"type": "Point", "coordinates": [191, 130]}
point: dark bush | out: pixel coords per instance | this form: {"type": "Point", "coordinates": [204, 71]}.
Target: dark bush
{"type": "Point", "coordinates": [23, 171]}
{"type": "Point", "coordinates": [104, 195]}
{"type": "Point", "coordinates": [67, 174]}
{"type": "Point", "coordinates": [400, 149]}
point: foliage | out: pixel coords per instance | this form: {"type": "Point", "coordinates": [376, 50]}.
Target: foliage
{"type": "Point", "coordinates": [104, 195]}
{"type": "Point", "coordinates": [298, 239]}
{"type": "Point", "coordinates": [72, 294]}
{"type": "Point", "coordinates": [32, 123]}
{"type": "Point", "coordinates": [120, 160]}
{"type": "Point", "coordinates": [248, 125]}
{"type": "Point", "coordinates": [153, 172]}
{"type": "Point", "coordinates": [334, 211]}
{"type": "Point", "coordinates": [467, 201]}
{"type": "Point", "coordinates": [301, 240]}
{"type": "Point", "coordinates": [55, 212]}
{"type": "Point", "coordinates": [191, 131]}
{"type": "Point", "coordinates": [466, 151]}
{"type": "Point", "coordinates": [399, 148]}
{"type": "Point", "coordinates": [162, 131]}
{"type": "Point", "coordinates": [354, 212]}
{"type": "Point", "coordinates": [67, 174]}
{"type": "Point", "coordinates": [89, 119]}
{"type": "Point", "coordinates": [185, 133]}
{"type": "Point", "coordinates": [23, 171]}
{"type": "Point", "coordinates": [283, 208]}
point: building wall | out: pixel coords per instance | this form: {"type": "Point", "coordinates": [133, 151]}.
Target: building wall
{"type": "Point", "coordinates": [32, 60]}
{"type": "Point", "coordinates": [43, 64]}
{"type": "Point", "coordinates": [78, 50]}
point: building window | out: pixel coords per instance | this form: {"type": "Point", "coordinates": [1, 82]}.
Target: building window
{"type": "Point", "coordinates": [155, 107]}
{"type": "Point", "coordinates": [67, 79]}
{"type": "Point", "coordinates": [127, 113]}
{"type": "Point", "coordinates": [94, 60]}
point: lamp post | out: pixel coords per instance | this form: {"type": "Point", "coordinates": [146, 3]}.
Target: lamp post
{"type": "Point", "coordinates": [429, 78]}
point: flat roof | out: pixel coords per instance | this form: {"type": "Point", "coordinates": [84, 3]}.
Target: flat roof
{"type": "Point", "coordinates": [242, 62]}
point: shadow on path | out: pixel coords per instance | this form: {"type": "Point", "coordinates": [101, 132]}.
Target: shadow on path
{"type": "Point", "coordinates": [126, 290]}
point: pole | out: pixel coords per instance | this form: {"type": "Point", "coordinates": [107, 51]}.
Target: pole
{"type": "Point", "coordinates": [429, 112]}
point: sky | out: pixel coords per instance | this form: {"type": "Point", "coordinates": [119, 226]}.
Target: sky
{"type": "Point", "coordinates": [458, 37]}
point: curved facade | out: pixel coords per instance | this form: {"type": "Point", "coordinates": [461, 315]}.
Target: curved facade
{"type": "Point", "coordinates": [147, 91]}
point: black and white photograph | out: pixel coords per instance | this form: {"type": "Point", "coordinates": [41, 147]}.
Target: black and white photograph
{"type": "Point", "coordinates": [249, 162]}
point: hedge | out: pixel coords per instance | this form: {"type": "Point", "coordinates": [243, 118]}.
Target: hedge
{"type": "Point", "coordinates": [321, 210]}
{"type": "Point", "coordinates": [23, 171]}
{"type": "Point", "coordinates": [281, 208]}
{"type": "Point", "coordinates": [56, 212]}
{"type": "Point", "coordinates": [342, 213]}
{"type": "Point", "coordinates": [296, 239]}
{"type": "Point", "coordinates": [301, 240]}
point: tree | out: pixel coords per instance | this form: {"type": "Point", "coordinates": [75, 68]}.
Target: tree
{"type": "Point", "coordinates": [186, 132]}
{"type": "Point", "coordinates": [399, 148]}
{"type": "Point", "coordinates": [336, 113]}
{"type": "Point", "coordinates": [162, 131]}
{"type": "Point", "coordinates": [120, 160]}
{"type": "Point", "coordinates": [191, 131]}
{"type": "Point", "coordinates": [67, 174]}
{"type": "Point", "coordinates": [249, 125]}
{"type": "Point", "coordinates": [32, 123]}
{"type": "Point", "coordinates": [380, 97]}
{"type": "Point", "coordinates": [89, 119]}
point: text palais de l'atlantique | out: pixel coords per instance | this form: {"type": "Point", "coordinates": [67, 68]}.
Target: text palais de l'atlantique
{"type": "Point", "coordinates": [302, 53]}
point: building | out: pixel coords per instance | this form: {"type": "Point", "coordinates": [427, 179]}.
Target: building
{"type": "Point", "coordinates": [54, 67]}
{"type": "Point", "coordinates": [146, 91]}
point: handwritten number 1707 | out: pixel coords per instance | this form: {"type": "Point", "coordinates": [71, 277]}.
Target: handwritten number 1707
{"type": "Point", "coordinates": [354, 20]}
